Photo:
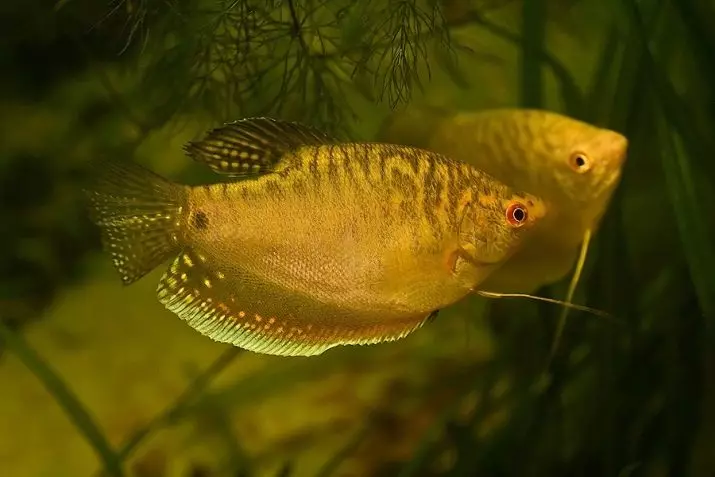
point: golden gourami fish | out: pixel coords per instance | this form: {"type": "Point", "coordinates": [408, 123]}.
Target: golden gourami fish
{"type": "Point", "coordinates": [321, 244]}
{"type": "Point", "coordinates": [572, 165]}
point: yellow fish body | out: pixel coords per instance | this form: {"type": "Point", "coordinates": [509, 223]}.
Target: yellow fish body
{"type": "Point", "coordinates": [322, 244]}
{"type": "Point", "coordinates": [572, 165]}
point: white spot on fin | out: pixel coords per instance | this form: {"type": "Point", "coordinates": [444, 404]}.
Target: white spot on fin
{"type": "Point", "coordinates": [206, 306]}
{"type": "Point", "coordinates": [253, 145]}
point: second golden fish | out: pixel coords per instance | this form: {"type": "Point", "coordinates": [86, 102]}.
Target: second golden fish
{"type": "Point", "coordinates": [323, 243]}
{"type": "Point", "coordinates": [574, 166]}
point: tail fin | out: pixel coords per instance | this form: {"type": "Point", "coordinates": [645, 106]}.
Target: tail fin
{"type": "Point", "coordinates": [138, 213]}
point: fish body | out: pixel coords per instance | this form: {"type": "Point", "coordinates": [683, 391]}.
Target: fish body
{"type": "Point", "coordinates": [572, 165]}
{"type": "Point", "coordinates": [321, 244]}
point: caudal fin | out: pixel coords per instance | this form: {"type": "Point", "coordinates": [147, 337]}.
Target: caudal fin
{"type": "Point", "coordinates": [138, 213]}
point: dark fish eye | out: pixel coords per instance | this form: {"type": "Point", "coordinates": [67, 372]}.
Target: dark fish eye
{"type": "Point", "coordinates": [579, 162]}
{"type": "Point", "coordinates": [516, 214]}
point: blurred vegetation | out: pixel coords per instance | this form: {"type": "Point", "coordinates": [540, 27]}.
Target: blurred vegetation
{"type": "Point", "coordinates": [87, 79]}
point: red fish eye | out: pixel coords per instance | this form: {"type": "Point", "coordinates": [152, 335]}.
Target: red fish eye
{"type": "Point", "coordinates": [516, 214]}
{"type": "Point", "coordinates": [579, 162]}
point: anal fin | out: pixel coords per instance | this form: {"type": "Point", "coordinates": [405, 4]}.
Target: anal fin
{"type": "Point", "coordinates": [247, 312]}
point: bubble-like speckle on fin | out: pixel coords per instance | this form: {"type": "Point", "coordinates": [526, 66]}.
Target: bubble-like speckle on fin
{"type": "Point", "coordinates": [252, 146]}
{"type": "Point", "coordinates": [137, 212]}
{"type": "Point", "coordinates": [254, 316]}
{"type": "Point", "coordinates": [188, 290]}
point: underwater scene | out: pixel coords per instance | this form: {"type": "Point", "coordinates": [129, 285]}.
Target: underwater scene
{"type": "Point", "coordinates": [357, 238]}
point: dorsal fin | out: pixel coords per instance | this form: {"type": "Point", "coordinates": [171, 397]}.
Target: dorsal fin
{"type": "Point", "coordinates": [252, 146]}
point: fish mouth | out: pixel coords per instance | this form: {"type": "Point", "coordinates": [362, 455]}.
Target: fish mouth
{"type": "Point", "coordinates": [623, 148]}
{"type": "Point", "coordinates": [618, 147]}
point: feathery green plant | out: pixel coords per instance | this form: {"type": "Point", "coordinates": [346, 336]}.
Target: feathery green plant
{"type": "Point", "coordinates": [297, 59]}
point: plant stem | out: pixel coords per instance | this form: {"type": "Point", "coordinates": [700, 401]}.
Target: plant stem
{"type": "Point", "coordinates": [533, 27]}
{"type": "Point", "coordinates": [72, 406]}
{"type": "Point", "coordinates": [195, 388]}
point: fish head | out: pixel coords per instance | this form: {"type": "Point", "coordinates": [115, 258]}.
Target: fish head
{"type": "Point", "coordinates": [557, 157]}
{"type": "Point", "coordinates": [586, 165]}
{"type": "Point", "coordinates": [499, 224]}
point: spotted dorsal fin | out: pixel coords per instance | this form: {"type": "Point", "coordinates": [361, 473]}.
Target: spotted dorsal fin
{"type": "Point", "coordinates": [253, 146]}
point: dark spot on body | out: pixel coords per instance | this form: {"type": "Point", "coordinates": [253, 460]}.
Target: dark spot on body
{"type": "Point", "coordinates": [364, 156]}
{"type": "Point", "coordinates": [200, 220]}
{"type": "Point", "coordinates": [413, 159]}
{"type": "Point", "coordinates": [333, 173]}
{"type": "Point", "coordinates": [399, 179]}
{"type": "Point", "coordinates": [451, 185]}
{"type": "Point", "coordinates": [273, 188]}
{"type": "Point", "coordinates": [383, 153]}
{"type": "Point", "coordinates": [431, 317]}
{"type": "Point", "coordinates": [345, 156]}
{"type": "Point", "coordinates": [314, 158]}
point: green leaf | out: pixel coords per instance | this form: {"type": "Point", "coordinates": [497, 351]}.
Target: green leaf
{"type": "Point", "coordinates": [681, 148]}
{"type": "Point", "coordinates": [533, 16]}
{"type": "Point", "coordinates": [64, 396]}
{"type": "Point", "coordinates": [570, 92]}
{"type": "Point", "coordinates": [446, 58]}
{"type": "Point", "coordinates": [692, 222]}
{"type": "Point", "coordinates": [700, 34]}
{"type": "Point", "coordinates": [597, 109]}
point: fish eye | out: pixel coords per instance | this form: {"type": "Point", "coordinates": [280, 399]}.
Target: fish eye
{"type": "Point", "coordinates": [579, 162]}
{"type": "Point", "coordinates": [516, 214]}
